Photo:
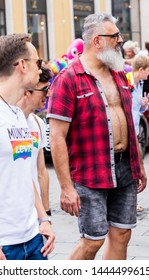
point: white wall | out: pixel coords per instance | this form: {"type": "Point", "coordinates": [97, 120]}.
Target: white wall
{"type": "Point", "coordinates": [51, 37]}
{"type": "Point", "coordinates": [9, 16]}
{"type": "Point", "coordinates": [108, 6]}
{"type": "Point", "coordinates": [144, 8]}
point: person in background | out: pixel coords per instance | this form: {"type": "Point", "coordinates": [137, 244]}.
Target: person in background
{"type": "Point", "coordinates": [135, 79]}
{"type": "Point", "coordinates": [32, 100]}
{"type": "Point", "coordinates": [131, 49]}
{"type": "Point", "coordinates": [100, 169]}
{"type": "Point", "coordinates": [146, 82]}
{"type": "Point", "coordinates": [54, 67]}
{"type": "Point", "coordinates": [140, 72]}
{"type": "Point", "coordinates": [23, 219]}
{"type": "Point", "coordinates": [42, 112]}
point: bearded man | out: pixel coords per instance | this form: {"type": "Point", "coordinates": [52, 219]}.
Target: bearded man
{"type": "Point", "coordinates": [93, 143]}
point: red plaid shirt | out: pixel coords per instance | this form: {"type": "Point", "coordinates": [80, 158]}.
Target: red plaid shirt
{"type": "Point", "coordinates": [76, 98]}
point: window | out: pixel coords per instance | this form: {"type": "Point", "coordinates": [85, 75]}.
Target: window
{"type": "Point", "coordinates": [121, 10]}
{"type": "Point", "coordinates": [81, 10]}
{"type": "Point", "coordinates": [37, 26]}
{"type": "Point", "coordinates": [2, 18]}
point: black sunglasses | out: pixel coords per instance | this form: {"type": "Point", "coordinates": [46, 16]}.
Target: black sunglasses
{"type": "Point", "coordinates": [115, 35]}
{"type": "Point", "coordinates": [44, 89]}
{"type": "Point", "coordinates": [38, 62]}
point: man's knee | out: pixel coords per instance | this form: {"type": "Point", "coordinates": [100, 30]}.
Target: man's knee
{"type": "Point", "coordinates": [119, 236]}
{"type": "Point", "coordinates": [91, 247]}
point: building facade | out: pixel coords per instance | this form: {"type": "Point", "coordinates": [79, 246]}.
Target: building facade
{"type": "Point", "coordinates": [54, 24]}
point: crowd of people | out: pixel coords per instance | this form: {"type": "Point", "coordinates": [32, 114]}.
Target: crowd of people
{"type": "Point", "coordinates": [93, 110]}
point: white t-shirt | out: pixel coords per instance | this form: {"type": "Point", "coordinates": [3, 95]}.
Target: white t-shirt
{"type": "Point", "coordinates": [18, 215]}
{"type": "Point", "coordinates": [39, 141]}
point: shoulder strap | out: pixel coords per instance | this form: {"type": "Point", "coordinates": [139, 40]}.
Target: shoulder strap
{"type": "Point", "coordinates": [36, 119]}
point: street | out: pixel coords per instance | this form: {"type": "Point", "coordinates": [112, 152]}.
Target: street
{"type": "Point", "coordinates": [66, 229]}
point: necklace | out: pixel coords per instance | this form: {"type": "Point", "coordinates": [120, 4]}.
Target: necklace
{"type": "Point", "coordinates": [15, 112]}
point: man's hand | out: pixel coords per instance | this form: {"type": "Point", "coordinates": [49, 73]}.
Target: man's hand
{"type": "Point", "coordinates": [70, 201]}
{"type": "Point", "coordinates": [2, 255]}
{"type": "Point", "coordinates": [144, 100]}
{"type": "Point", "coordinates": [143, 180]}
{"type": "Point", "coordinates": [45, 229]}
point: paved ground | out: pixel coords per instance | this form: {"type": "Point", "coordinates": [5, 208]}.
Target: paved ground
{"type": "Point", "coordinates": [66, 228]}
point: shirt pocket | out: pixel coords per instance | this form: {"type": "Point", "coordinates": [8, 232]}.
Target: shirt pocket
{"type": "Point", "coordinates": [85, 95]}
{"type": "Point", "coordinates": [85, 107]}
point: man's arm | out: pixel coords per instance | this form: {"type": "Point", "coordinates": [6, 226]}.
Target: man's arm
{"type": "Point", "coordinates": [143, 179]}
{"type": "Point", "coordinates": [43, 178]}
{"type": "Point", "coordinates": [70, 201]}
{"type": "Point", "coordinates": [45, 226]}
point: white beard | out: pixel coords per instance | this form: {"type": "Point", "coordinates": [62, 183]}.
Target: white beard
{"type": "Point", "coordinates": [112, 58]}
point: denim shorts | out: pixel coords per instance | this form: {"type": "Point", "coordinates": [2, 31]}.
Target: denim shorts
{"type": "Point", "coordinates": [29, 250]}
{"type": "Point", "coordinates": [103, 207]}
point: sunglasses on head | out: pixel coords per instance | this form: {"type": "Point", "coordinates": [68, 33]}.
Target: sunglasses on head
{"type": "Point", "coordinates": [44, 89]}
{"type": "Point", "coordinates": [38, 62]}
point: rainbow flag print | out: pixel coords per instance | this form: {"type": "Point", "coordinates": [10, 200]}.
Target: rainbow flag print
{"type": "Point", "coordinates": [22, 148]}
{"type": "Point", "coordinates": [35, 138]}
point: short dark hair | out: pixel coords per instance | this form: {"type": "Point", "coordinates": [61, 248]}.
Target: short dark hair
{"type": "Point", "coordinates": [46, 75]}
{"type": "Point", "coordinates": [12, 47]}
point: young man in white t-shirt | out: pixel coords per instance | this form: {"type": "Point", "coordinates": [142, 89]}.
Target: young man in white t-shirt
{"type": "Point", "coordinates": [23, 219]}
{"type": "Point", "coordinates": [31, 101]}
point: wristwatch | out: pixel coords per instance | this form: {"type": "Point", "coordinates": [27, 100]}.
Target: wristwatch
{"type": "Point", "coordinates": [44, 219]}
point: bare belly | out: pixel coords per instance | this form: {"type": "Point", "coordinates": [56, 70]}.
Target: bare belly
{"type": "Point", "coordinates": [120, 129]}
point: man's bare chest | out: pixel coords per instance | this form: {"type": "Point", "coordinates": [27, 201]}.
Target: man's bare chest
{"type": "Point", "coordinates": [111, 92]}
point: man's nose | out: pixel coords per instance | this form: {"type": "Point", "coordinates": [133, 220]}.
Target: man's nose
{"type": "Point", "coordinates": [120, 39]}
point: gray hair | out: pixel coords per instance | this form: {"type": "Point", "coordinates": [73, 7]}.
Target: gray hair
{"type": "Point", "coordinates": [93, 25]}
{"type": "Point", "coordinates": [131, 45]}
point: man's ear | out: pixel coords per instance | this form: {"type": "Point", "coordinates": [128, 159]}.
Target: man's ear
{"type": "Point", "coordinates": [22, 65]}
{"type": "Point", "coordinates": [27, 93]}
{"type": "Point", "coordinates": [97, 42]}
{"type": "Point", "coordinates": [141, 69]}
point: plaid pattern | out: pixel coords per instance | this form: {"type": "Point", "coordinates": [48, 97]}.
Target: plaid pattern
{"type": "Point", "coordinates": [76, 99]}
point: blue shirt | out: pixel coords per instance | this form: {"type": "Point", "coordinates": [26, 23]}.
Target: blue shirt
{"type": "Point", "coordinates": [136, 104]}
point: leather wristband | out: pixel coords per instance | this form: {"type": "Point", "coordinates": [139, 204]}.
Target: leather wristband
{"type": "Point", "coordinates": [44, 219]}
{"type": "Point", "coordinates": [49, 212]}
